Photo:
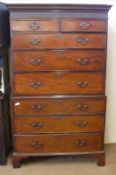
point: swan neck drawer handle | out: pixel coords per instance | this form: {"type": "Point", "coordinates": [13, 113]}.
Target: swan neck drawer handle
{"type": "Point", "coordinates": [80, 143]}
{"type": "Point", "coordinates": [81, 124]}
{"type": "Point", "coordinates": [35, 62]}
{"type": "Point", "coordinates": [82, 107]}
{"type": "Point", "coordinates": [83, 84]}
{"type": "Point", "coordinates": [83, 61]}
{"type": "Point", "coordinates": [83, 41]}
{"type": "Point", "coordinates": [36, 125]}
{"type": "Point", "coordinates": [35, 85]}
{"type": "Point", "coordinates": [37, 144]}
{"type": "Point", "coordinates": [36, 107]}
{"type": "Point", "coordinates": [34, 26]}
{"type": "Point", "coordinates": [84, 25]}
{"type": "Point", "coordinates": [35, 41]}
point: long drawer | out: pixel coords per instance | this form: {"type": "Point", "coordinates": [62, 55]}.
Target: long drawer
{"type": "Point", "coordinates": [43, 124]}
{"type": "Point", "coordinates": [59, 83]}
{"type": "Point", "coordinates": [58, 41]}
{"type": "Point", "coordinates": [58, 143]}
{"type": "Point", "coordinates": [56, 106]}
{"type": "Point", "coordinates": [85, 60]}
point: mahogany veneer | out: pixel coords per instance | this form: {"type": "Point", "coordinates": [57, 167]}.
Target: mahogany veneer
{"type": "Point", "coordinates": [58, 63]}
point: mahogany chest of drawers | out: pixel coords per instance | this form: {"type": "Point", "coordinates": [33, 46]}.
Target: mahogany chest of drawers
{"type": "Point", "coordinates": [57, 74]}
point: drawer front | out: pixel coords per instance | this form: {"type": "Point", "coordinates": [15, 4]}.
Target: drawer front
{"type": "Point", "coordinates": [42, 124]}
{"type": "Point", "coordinates": [59, 60]}
{"type": "Point", "coordinates": [75, 25]}
{"type": "Point", "coordinates": [44, 25]}
{"type": "Point", "coordinates": [58, 143]}
{"type": "Point", "coordinates": [52, 106]}
{"type": "Point", "coordinates": [58, 41]}
{"type": "Point", "coordinates": [59, 83]}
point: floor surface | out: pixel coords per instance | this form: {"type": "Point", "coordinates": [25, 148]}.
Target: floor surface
{"type": "Point", "coordinates": [64, 165]}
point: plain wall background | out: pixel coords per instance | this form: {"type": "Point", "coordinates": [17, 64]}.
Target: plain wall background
{"type": "Point", "coordinates": [110, 132]}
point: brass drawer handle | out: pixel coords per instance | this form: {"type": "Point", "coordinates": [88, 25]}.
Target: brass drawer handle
{"type": "Point", "coordinates": [35, 41]}
{"type": "Point", "coordinates": [83, 41]}
{"type": "Point", "coordinates": [83, 84]}
{"type": "Point", "coordinates": [82, 107]}
{"type": "Point", "coordinates": [80, 143]}
{"type": "Point", "coordinates": [36, 107]}
{"type": "Point", "coordinates": [37, 144]}
{"type": "Point", "coordinates": [35, 85]}
{"type": "Point", "coordinates": [34, 26]}
{"type": "Point", "coordinates": [84, 25]}
{"type": "Point", "coordinates": [35, 62]}
{"type": "Point", "coordinates": [81, 124]}
{"type": "Point", "coordinates": [36, 125]}
{"type": "Point", "coordinates": [83, 61]}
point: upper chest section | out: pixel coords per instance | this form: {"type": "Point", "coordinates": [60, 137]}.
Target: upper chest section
{"type": "Point", "coordinates": [55, 18]}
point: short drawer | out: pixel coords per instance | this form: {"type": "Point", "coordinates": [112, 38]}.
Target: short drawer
{"type": "Point", "coordinates": [58, 41]}
{"type": "Point", "coordinates": [85, 60]}
{"type": "Point", "coordinates": [59, 83]}
{"type": "Point", "coordinates": [43, 25]}
{"type": "Point", "coordinates": [59, 124]}
{"type": "Point", "coordinates": [56, 106]}
{"type": "Point", "coordinates": [58, 143]}
{"type": "Point", "coordinates": [83, 25]}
